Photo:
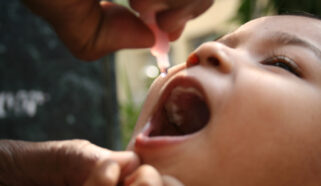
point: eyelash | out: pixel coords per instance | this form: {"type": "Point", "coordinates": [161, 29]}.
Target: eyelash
{"type": "Point", "coordinates": [285, 63]}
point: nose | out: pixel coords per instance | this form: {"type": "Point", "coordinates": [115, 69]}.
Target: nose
{"type": "Point", "coordinates": [212, 54]}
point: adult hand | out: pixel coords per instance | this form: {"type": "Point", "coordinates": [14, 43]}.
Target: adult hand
{"type": "Point", "coordinates": [148, 176]}
{"type": "Point", "coordinates": [172, 15]}
{"type": "Point", "coordinates": [92, 29]}
{"type": "Point", "coordinates": [71, 162]}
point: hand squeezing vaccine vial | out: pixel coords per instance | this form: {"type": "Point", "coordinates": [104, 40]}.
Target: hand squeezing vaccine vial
{"type": "Point", "coordinates": [161, 46]}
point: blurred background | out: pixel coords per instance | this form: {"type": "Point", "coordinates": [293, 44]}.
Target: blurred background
{"type": "Point", "coordinates": [47, 94]}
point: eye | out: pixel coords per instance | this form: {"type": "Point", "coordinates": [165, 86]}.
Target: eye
{"type": "Point", "coordinates": [285, 63]}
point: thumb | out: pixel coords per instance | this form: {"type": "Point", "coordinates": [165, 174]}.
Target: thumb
{"type": "Point", "coordinates": [171, 181]}
{"type": "Point", "coordinates": [147, 175]}
{"type": "Point", "coordinates": [174, 19]}
{"type": "Point", "coordinates": [110, 170]}
{"type": "Point", "coordinates": [106, 173]}
{"type": "Point", "coordinates": [127, 160]}
{"type": "Point", "coordinates": [123, 29]}
{"type": "Point", "coordinates": [173, 22]}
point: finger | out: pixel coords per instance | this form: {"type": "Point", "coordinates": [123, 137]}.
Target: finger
{"type": "Point", "coordinates": [128, 161]}
{"type": "Point", "coordinates": [175, 18]}
{"type": "Point", "coordinates": [121, 22]}
{"type": "Point", "coordinates": [119, 28]}
{"type": "Point", "coordinates": [171, 181]}
{"type": "Point", "coordinates": [145, 175]}
{"type": "Point", "coordinates": [157, 5]}
{"type": "Point", "coordinates": [176, 34]}
{"type": "Point", "coordinates": [105, 29]}
{"type": "Point", "coordinates": [106, 173]}
{"type": "Point", "coordinates": [148, 5]}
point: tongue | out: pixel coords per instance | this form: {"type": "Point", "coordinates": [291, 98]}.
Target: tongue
{"type": "Point", "coordinates": [186, 110]}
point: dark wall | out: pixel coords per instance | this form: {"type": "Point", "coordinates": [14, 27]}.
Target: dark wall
{"type": "Point", "coordinates": [45, 93]}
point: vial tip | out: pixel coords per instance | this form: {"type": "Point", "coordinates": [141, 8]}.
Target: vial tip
{"type": "Point", "coordinates": [164, 72]}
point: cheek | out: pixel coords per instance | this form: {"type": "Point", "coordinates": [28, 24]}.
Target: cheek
{"type": "Point", "coordinates": [272, 98]}
{"type": "Point", "coordinates": [266, 128]}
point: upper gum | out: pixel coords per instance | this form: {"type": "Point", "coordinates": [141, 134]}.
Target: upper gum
{"type": "Point", "coordinates": [186, 89]}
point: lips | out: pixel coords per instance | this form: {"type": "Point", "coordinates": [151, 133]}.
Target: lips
{"type": "Point", "coordinates": [181, 111]}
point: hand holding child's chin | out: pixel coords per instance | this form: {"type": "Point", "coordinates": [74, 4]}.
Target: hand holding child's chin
{"type": "Point", "coordinates": [73, 162]}
{"type": "Point", "coordinates": [110, 173]}
{"type": "Point", "coordinates": [148, 175]}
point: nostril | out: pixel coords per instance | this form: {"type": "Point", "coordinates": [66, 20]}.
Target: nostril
{"type": "Point", "coordinates": [213, 61]}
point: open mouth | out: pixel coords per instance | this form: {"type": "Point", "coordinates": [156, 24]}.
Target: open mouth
{"type": "Point", "coordinates": [182, 109]}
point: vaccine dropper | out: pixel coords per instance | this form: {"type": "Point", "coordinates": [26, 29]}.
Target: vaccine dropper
{"type": "Point", "coordinates": [161, 46]}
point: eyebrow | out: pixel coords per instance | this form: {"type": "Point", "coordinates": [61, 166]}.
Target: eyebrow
{"type": "Point", "coordinates": [277, 37]}
{"type": "Point", "coordinates": [289, 39]}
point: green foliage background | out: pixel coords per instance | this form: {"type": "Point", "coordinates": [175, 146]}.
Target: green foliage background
{"type": "Point", "coordinates": [250, 9]}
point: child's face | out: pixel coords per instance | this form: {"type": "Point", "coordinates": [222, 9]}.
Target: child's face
{"type": "Point", "coordinates": [262, 122]}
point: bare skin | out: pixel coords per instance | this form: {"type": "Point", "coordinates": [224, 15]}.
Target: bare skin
{"type": "Point", "coordinates": [57, 162]}
{"type": "Point", "coordinates": [92, 29]}
{"type": "Point", "coordinates": [262, 84]}
{"type": "Point", "coordinates": [74, 163]}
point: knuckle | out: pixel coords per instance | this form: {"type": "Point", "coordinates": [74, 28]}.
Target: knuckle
{"type": "Point", "coordinates": [81, 141]}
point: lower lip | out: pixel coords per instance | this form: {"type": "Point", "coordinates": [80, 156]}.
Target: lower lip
{"type": "Point", "coordinates": [143, 140]}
